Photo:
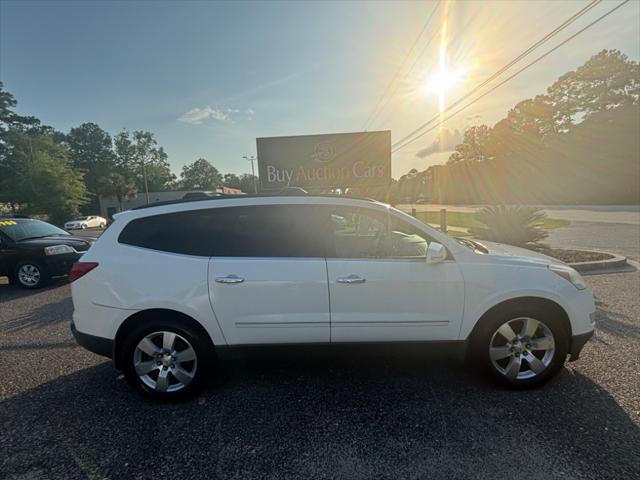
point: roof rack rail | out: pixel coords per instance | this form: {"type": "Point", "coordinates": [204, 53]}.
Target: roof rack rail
{"type": "Point", "coordinates": [290, 191]}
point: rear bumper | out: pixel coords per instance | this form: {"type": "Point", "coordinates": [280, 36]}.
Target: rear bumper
{"type": "Point", "coordinates": [101, 346]}
{"type": "Point", "coordinates": [577, 344]}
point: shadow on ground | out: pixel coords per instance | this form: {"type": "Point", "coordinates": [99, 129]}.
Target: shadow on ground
{"type": "Point", "coordinates": [293, 416]}
{"type": "Point", "coordinates": [43, 316]}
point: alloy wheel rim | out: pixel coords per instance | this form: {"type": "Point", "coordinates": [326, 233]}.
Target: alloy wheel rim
{"type": "Point", "coordinates": [522, 348]}
{"type": "Point", "coordinates": [29, 275]}
{"type": "Point", "coordinates": [165, 361]}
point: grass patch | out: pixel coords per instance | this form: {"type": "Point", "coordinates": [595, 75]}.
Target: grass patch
{"type": "Point", "coordinates": [467, 220]}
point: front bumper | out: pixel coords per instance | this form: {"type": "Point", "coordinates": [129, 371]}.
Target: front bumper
{"type": "Point", "coordinates": [101, 346]}
{"type": "Point", "coordinates": [577, 344]}
{"type": "Point", "coordinates": [60, 265]}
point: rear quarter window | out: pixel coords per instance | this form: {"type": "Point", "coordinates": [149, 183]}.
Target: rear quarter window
{"type": "Point", "coordinates": [197, 232]}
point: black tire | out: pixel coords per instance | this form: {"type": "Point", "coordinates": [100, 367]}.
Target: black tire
{"type": "Point", "coordinates": [34, 266]}
{"type": "Point", "coordinates": [484, 335]}
{"type": "Point", "coordinates": [204, 358]}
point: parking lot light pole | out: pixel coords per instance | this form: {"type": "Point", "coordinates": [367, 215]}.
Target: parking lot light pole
{"type": "Point", "coordinates": [253, 172]}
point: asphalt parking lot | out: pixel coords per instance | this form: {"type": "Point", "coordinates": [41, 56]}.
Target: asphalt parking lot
{"type": "Point", "coordinates": [66, 413]}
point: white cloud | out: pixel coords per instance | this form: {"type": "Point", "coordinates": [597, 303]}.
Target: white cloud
{"type": "Point", "coordinates": [197, 115]}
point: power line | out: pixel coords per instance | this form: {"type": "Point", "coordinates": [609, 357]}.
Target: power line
{"type": "Point", "coordinates": [374, 112]}
{"type": "Point", "coordinates": [549, 52]}
{"type": "Point", "coordinates": [503, 69]}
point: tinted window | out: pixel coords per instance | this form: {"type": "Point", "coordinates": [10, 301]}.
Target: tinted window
{"type": "Point", "coordinates": [197, 232]}
{"type": "Point", "coordinates": [255, 231]}
{"type": "Point", "coordinates": [279, 231]}
{"type": "Point", "coordinates": [364, 233]}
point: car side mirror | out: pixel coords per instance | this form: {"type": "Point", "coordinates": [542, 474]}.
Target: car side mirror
{"type": "Point", "coordinates": [436, 253]}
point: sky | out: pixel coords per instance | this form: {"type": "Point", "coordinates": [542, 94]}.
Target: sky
{"type": "Point", "coordinates": [208, 78]}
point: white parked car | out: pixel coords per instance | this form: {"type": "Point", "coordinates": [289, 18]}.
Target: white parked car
{"type": "Point", "coordinates": [166, 287]}
{"type": "Point", "coordinates": [80, 223]}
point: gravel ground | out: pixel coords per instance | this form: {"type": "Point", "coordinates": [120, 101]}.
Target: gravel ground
{"type": "Point", "coordinates": [65, 413]}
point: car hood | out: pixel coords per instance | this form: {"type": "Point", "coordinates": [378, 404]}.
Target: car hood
{"type": "Point", "coordinates": [79, 243]}
{"type": "Point", "coordinates": [517, 254]}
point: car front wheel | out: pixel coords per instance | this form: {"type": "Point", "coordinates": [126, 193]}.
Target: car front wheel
{"type": "Point", "coordinates": [523, 348]}
{"type": "Point", "coordinates": [31, 275]}
{"type": "Point", "coordinates": [164, 361]}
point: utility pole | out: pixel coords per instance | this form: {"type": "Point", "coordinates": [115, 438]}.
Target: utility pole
{"type": "Point", "coordinates": [253, 172]}
{"type": "Point", "coordinates": [144, 175]}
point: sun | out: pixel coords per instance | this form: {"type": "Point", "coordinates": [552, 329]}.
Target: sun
{"type": "Point", "coordinates": [443, 81]}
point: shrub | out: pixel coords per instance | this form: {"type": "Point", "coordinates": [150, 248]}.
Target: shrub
{"type": "Point", "coordinates": [514, 225]}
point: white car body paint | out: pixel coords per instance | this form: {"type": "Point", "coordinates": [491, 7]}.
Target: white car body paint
{"type": "Point", "coordinates": [299, 300]}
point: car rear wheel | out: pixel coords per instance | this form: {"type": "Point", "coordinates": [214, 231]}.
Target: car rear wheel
{"type": "Point", "coordinates": [522, 348]}
{"type": "Point", "coordinates": [166, 361]}
{"type": "Point", "coordinates": [31, 275]}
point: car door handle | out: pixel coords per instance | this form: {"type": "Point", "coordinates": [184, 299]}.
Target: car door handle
{"type": "Point", "coordinates": [230, 279]}
{"type": "Point", "coordinates": [351, 279]}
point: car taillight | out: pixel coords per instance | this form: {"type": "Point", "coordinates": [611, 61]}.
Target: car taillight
{"type": "Point", "coordinates": [80, 269]}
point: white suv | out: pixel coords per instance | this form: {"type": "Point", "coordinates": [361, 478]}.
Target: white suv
{"type": "Point", "coordinates": [167, 286]}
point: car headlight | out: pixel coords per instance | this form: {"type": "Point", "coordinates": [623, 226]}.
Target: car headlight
{"type": "Point", "coordinates": [58, 249]}
{"type": "Point", "coordinates": [570, 275]}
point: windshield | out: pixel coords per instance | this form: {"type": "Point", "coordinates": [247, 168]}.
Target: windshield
{"type": "Point", "coordinates": [22, 229]}
{"type": "Point", "coordinates": [80, 219]}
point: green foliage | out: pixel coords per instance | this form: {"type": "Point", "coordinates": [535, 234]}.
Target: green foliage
{"type": "Point", "coordinates": [137, 154]}
{"type": "Point", "coordinates": [91, 150]}
{"type": "Point", "coordinates": [117, 185]}
{"type": "Point", "coordinates": [231, 180]}
{"type": "Point", "coordinates": [249, 182]}
{"type": "Point", "coordinates": [36, 173]}
{"type": "Point", "coordinates": [200, 175]}
{"type": "Point", "coordinates": [514, 225]}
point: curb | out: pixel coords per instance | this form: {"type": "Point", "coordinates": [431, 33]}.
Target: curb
{"type": "Point", "coordinates": [617, 261]}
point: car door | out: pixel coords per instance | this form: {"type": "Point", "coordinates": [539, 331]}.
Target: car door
{"type": "Point", "coordinates": [380, 285]}
{"type": "Point", "coordinates": [4, 269]}
{"type": "Point", "coordinates": [268, 280]}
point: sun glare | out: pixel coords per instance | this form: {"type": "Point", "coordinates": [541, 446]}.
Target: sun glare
{"type": "Point", "coordinates": [445, 78]}
{"type": "Point", "coordinates": [443, 81]}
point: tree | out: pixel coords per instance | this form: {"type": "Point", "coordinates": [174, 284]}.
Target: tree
{"type": "Point", "coordinates": [200, 175]}
{"type": "Point", "coordinates": [607, 80]}
{"type": "Point", "coordinates": [138, 155]}
{"type": "Point", "coordinates": [91, 150]}
{"type": "Point", "coordinates": [117, 185]}
{"type": "Point", "coordinates": [36, 173]}
{"type": "Point", "coordinates": [231, 180]}
{"type": "Point", "coordinates": [474, 146]}
{"type": "Point", "coordinates": [249, 182]}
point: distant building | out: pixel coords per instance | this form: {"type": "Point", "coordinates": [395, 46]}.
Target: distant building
{"type": "Point", "coordinates": [110, 205]}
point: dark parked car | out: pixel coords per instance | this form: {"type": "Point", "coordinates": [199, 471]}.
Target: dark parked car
{"type": "Point", "coordinates": [32, 251]}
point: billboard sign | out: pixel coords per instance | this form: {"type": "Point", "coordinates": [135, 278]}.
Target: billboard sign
{"type": "Point", "coordinates": [337, 160]}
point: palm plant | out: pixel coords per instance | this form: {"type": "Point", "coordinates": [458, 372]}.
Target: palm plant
{"type": "Point", "coordinates": [511, 224]}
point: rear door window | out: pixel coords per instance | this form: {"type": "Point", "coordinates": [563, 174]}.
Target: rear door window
{"type": "Point", "coordinates": [279, 231]}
